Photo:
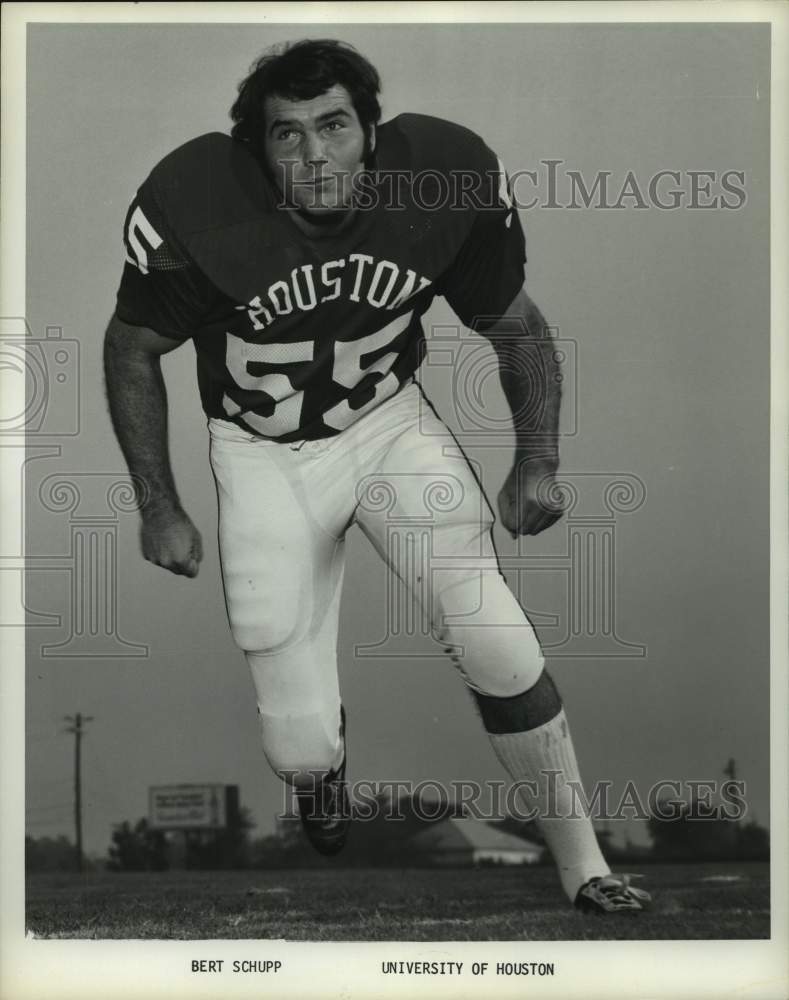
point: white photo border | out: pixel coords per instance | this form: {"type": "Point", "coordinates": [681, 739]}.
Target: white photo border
{"type": "Point", "coordinates": [59, 969]}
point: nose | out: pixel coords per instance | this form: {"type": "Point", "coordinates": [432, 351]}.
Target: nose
{"type": "Point", "coordinates": [313, 152]}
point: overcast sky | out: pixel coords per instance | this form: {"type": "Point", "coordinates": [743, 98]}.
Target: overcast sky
{"type": "Point", "coordinates": [666, 319]}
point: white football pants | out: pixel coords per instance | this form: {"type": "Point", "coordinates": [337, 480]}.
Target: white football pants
{"type": "Point", "coordinates": [284, 510]}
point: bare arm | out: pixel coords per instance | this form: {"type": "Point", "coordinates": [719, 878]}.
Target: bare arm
{"type": "Point", "coordinates": [138, 406]}
{"type": "Point", "coordinates": [534, 396]}
{"type": "Point", "coordinates": [528, 380]}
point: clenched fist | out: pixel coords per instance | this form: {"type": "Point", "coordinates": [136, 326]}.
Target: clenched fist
{"type": "Point", "coordinates": [527, 500]}
{"type": "Point", "coordinates": [170, 540]}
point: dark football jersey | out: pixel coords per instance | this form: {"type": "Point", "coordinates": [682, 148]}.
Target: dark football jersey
{"type": "Point", "coordinates": [297, 336]}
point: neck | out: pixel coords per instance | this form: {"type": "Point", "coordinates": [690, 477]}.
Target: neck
{"type": "Point", "coordinates": [323, 223]}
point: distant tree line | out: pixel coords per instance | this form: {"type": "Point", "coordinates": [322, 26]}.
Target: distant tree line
{"type": "Point", "coordinates": [688, 837]}
{"type": "Point", "coordinates": [50, 854]}
{"type": "Point", "coordinates": [382, 842]}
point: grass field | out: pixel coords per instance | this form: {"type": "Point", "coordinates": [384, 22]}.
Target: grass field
{"type": "Point", "coordinates": [488, 904]}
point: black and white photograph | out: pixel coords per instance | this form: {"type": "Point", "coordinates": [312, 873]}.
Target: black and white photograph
{"type": "Point", "coordinates": [394, 500]}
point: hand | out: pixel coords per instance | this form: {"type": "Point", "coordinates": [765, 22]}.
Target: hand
{"type": "Point", "coordinates": [170, 540]}
{"type": "Point", "coordinates": [520, 510]}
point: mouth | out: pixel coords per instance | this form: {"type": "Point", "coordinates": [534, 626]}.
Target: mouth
{"type": "Point", "coordinates": [319, 183]}
{"type": "Point", "coordinates": [321, 193]}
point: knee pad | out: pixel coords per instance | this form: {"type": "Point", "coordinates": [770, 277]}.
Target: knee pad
{"type": "Point", "coordinates": [486, 632]}
{"type": "Point", "coordinates": [301, 748]}
{"type": "Point", "coordinates": [488, 635]}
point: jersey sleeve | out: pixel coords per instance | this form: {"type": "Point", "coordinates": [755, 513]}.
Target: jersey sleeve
{"type": "Point", "coordinates": [488, 271]}
{"type": "Point", "coordinates": [161, 288]}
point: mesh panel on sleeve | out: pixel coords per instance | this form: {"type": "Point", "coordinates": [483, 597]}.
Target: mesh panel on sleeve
{"type": "Point", "coordinates": [166, 259]}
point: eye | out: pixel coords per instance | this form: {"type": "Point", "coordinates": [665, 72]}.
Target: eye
{"type": "Point", "coordinates": [286, 133]}
{"type": "Point", "coordinates": [333, 126]}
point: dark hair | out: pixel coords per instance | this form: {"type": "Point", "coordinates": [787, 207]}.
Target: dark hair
{"type": "Point", "coordinates": [299, 71]}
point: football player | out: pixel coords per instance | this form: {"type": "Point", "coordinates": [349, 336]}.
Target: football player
{"type": "Point", "coordinates": [299, 255]}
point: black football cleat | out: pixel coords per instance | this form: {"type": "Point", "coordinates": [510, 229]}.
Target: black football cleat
{"type": "Point", "coordinates": [326, 809]}
{"type": "Point", "coordinates": [611, 894]}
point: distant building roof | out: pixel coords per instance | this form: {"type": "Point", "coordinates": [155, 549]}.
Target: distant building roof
{"type": "Point", "coordinates": [472, 835]}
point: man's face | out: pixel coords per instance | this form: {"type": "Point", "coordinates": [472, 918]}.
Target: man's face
{"type": "Point", "coordinates": [315, 149]}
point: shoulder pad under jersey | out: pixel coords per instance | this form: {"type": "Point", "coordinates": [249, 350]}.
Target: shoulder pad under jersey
{"type": "Point", "coordinates": [220, 205]}
{"type": "Point", "coordinates": [421, 142]}
{"type": "Point", "coordinates": [209, 182]}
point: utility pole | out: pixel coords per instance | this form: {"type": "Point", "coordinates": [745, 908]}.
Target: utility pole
{"type": "Point", "coordinates": [77, 722]}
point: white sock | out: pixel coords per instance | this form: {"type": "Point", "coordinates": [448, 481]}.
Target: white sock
{"type": "Point", "coordinates": [570, 839]}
